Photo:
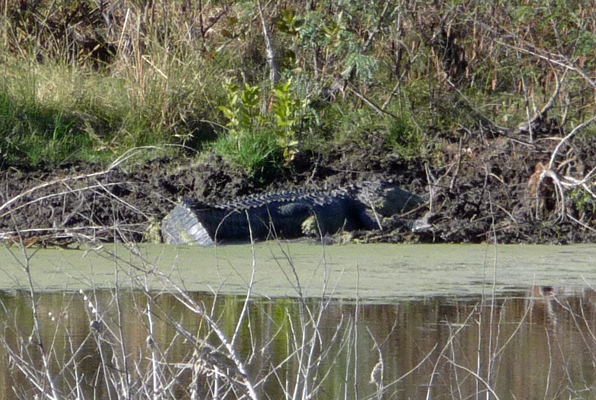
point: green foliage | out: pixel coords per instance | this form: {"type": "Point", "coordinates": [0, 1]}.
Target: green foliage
{"type": "Point", "coordinates": [254, 152]}
{"type": "Point", "coordinates": [311, 34]}
{"type": "Point", "coordinates": [247, 143]}
{"type": "Point", "coordinates": [336, 33]}
{"type": "Point", "coordinates": [242, 111]}
{"type": "Point", "coordinates": [37, 134]}
{"type": "Point", "coordinates": [252, 129]}
{"type": "Point", "coordinates": [287, 21]}
{"type": "Point", "coordinates": [291, 114]}
{"type": "Point", "coordinates": [90, 78]}
{"type": "Point", "coordinates": [586, 43]}
{"type": "Point", "coordinates": [405, 138]}
{"type": "Point", "coordinates": [583, 200]}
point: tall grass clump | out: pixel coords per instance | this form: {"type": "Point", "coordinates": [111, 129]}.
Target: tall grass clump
{"type": "Point", "coordinates": [36, 132]}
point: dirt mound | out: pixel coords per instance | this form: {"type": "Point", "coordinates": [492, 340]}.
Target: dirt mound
{"type": "Point", "coordinates": [478, 191]}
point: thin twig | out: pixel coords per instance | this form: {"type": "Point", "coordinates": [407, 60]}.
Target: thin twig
{"type": "Point", "coordinates": [571, 134]}
{"type": "Point", "coordinates": [370, 102]}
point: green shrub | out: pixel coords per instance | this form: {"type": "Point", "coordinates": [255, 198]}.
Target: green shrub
{"type": "Point", "coordinates": [268, 132]}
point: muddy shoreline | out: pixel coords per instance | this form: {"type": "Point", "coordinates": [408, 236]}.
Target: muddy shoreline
{"type": "Point", "coordinates": [480, 190]}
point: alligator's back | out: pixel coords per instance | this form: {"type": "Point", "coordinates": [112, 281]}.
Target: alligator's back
{"type": "Point", "coordinates": [288, 214]}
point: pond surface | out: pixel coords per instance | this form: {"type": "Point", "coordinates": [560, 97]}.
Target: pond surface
{"type": "Point", "coordinates": [443, 321]}
{"type": "Point", "coordinates": [371, 273]}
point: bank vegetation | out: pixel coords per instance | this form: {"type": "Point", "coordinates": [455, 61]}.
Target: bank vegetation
{"type": "Point", "coordinates": [260, 82]}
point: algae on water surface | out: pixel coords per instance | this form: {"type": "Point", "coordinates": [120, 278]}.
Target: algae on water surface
{"type": "Point", "coordinates": [372, 273]}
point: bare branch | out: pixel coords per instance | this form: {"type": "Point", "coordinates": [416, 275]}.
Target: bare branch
{"type": "Point", "coordinates": [571, 134]}
{"type": "Point", "coordinates": [565, 63]}
{"type": "Point", "coordinates": [551, 101]}
{"type": "Point", "coordinates": [370, 102]}
{"type": "Point", "coordinates": [271, 59]}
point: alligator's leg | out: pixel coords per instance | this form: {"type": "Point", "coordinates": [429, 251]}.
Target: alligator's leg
{"type": "Point", "coordinates": [369, 219]}
{"type": "Point", "coordinates": [310, 226]}
{"type": "Point", "coordinates": [340, 215]}
{"type": "Point", "coordinates": [288, 219]}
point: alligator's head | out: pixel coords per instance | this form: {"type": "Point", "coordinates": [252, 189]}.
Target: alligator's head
{"type": "Point", "coordinates": [385, 198]}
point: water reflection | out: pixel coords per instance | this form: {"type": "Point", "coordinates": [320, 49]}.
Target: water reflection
{"type": "Point", "coordinates": [532, 344]}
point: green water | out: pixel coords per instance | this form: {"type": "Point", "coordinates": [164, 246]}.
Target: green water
{"type": "Point", "coordinates": [448, 321]}
{"type": "Point", "coordinates": [374, 273]}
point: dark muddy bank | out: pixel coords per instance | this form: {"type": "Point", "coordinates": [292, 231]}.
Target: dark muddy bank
{"type": "Point", "coordinates": [479, 189]}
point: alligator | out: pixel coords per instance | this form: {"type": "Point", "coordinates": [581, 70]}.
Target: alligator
{"type": "Point", "coordinates": [287, 214]}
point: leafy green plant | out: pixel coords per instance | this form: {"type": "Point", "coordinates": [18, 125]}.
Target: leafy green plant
{"type": "Point", "coordinates": [583, 201]}
{"type": "Point", "coordinates": [251, 128]}
{"type": "Point", "coordinates": [244, 144]}
{"type": "Point", "coordinates": [290, 113]}
{"type": "Point", "coordinates": [242, 110]}
{"type": "Point", "coordinates": [287, 21]}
